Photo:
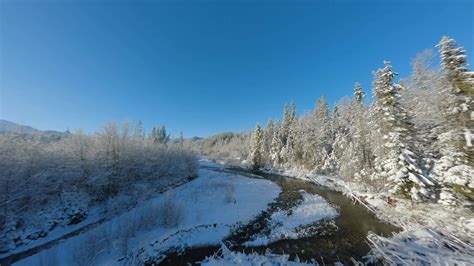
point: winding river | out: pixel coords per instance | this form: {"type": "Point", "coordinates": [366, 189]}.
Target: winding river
{"type": "Point", "coordinates": [338, 240]}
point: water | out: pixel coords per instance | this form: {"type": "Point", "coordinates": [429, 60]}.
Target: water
{"type": "Point", "coordinates": [339, 240]}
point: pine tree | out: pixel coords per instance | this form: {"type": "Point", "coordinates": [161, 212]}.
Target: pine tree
{"type": "Point", "coordinates": [154, 135]}
{"type": "Point", "coordinates": [358, 93]}
{"type": "Point", "coordinates": [276, 147]}
{"type": "Point", "coordinates": [163, 136]}
{"type": "Point", "coordinates": [324, 135]}
{"type": "Point", "coordinates": [256, 148]}
{"type": "Point", "coordinates": [356, 151]}
{"type": "Point", "coordinates": [268, 141]}
{"type": "Point", "coordinates": [159, 135]}
{"type": "Point", "coordinates": [396, 161]}
{"type": "Point", "coordinates": [139, 132]}
{"type": "Point", "coordinates": [291, 151]}
{"type": "Point", "coordinates": [455, 142]}
{"type": "Point", "coordinates": [285, 125]}
{"type": "Point", "coordinates": [341, 137]}
{"type": "Point", "coordinates": [181, 139]}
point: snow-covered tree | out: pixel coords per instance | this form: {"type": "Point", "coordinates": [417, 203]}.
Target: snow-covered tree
{"type": "Point", "coordinates": [159, 135]}
{"type": "Point", "coordinates": [268, 141]}
{"type": "Point", "coordinates": [276, 146]}
{"type": "Point", "coordinates": [323, 137]}
{"type": "Point", "coordinates": [455, 141]}
{"type": "Point", "coordinates": [351, 146]}
{"type": "Point", "coordinates": [316, 137]}
{"type": "Point", "coordinates": [291, 151]}
{"type": "Point", "coordinates": [256, 158]}
{"type": "Point", "coordinates": [139, 131]}
{"type": "Point", "coordinates": [396, 160]}
{"type": "Point", "coordinates": [358, 93]}
{"type": "Point", "coordinates": [181, 139]}
{"type": "Point", "coordinates": [423, 101]}
{"type": "Point", "coordinates": [285, 127]}
{"type": "Point", "coordinates": [341, 135]}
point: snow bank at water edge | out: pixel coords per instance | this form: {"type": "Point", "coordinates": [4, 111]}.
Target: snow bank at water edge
{"type": "Point", "coordinates": [204, 211]}
{"type": "Point", "coordinates": [440, 220]}
{"type": "Point", "coordinates": [226, 257]}
{"type": "Point", "coordinates": [286, 224]}
{"type": "Point", "coordinates": [420, 246]}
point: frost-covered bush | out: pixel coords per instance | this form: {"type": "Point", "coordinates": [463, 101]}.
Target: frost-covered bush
{"type": "Point", "coordinates": [229, 147]}
{"type": "Point", "coordinates": [37, 175]}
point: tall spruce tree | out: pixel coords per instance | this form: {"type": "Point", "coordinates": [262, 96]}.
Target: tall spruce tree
{"type": "Point", "coordinates": [181, 139]}
{"type": "Point", "coordinates": [396, 161]}
{"type": "Point", "coordinates": [358, 93]}
{"type": "Point", "coordinates": [256, 158]}
{"type": "Point", "coordinates": [268, 141]}
{"type": "Point", "coordinates": [139, 132]}
{"type": "Point", "coordinates": [356, 159]}
{"type": "Point", "coordinates": [455, 167]}
{"type": "Point", "coordinates": [276, 146]}
{"type": "Point", "coordinates": [291, 151]}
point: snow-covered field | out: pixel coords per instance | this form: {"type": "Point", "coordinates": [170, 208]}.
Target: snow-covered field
{"type": "Point", "coordinates": [285, 224]}
{"type": "Point", "coordinates": [201, 212]}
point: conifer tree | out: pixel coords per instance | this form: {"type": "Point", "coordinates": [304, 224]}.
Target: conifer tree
{"type": "Point", "coordinates": [358, 93]}
{"type": "Point", "coordinates": [396, 161]}
{"type": "Point", "coordinates": [276, 147]}
{"type": "Point", "coordinates": [291, 151]}
{"type": "Point", "coordinates": [324, 135]}
{"type": "Point", "coordinates": [154, 135]}
{"type": "Point", "coordinates": [285, 125]}
{"type": "Point", "coordinates": [139, 132]}
{"type": "Point", "coordinates": [181, 139]}
{"type": "Point", "coordinates": [356, 154]}
{"type": "Point", "coordinates": [341, 137]}
{"type": "Point", "coordinates": [455, 142]}
{"type": "Point", "coordinates": [268, 140]}
{"type": "Point", "coordinates": [256, 148]}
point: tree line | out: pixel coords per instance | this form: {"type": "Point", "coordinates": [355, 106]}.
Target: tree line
{"type": "Point", "coordinates": [414, 139]}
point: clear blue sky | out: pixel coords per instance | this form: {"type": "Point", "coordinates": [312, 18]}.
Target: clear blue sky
{"type": "Point", "coordinates": [204, 67]}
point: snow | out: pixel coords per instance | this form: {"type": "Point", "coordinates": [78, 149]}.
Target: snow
{"type": "Point", "coordinates": [420, 246]}
{"type": "Point", "coordinates": [207, 214]}
{"type": "Point", "coordinates": [454, 221]}
{"type": "Point", "coordinates": [94, 215]}
{"type": "Point", "coordinates": [228, 257]}
{"type": "Point", "coordinates": [284, 224]}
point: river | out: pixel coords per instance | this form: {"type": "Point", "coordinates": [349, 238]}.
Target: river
{"type": "Point", "coordinates": [338, 240]}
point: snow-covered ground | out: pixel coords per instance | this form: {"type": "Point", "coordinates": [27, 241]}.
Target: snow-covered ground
{"type": "Point", "coordinates": [201, 212]}
{"type": "Point", "coordinates": [416, 218]}
{"type": "Point", "coordinates": [53, 222]}
{"type": "Point", "coordinates": [421, 246]}
{"type": "Point", "coordinates": [227, 257]}
{"type": "Point", "coordinates": [285, 224]}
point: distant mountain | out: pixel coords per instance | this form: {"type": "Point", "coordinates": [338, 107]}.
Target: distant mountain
{"type": "Point", "coordinates": [195, 138]}
{"type": "Point", "coordinates": [11, 128]}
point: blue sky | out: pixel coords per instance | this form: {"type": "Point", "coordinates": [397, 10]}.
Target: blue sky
{"type": "Point", "coordinates": [204, 67]}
